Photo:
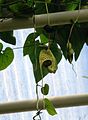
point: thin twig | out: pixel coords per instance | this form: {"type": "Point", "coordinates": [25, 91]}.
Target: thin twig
{"type": "Point", "coordinates": [47, 13]}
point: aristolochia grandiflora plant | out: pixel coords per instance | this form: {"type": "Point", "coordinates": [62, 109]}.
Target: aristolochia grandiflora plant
{"type": "Point", "coordinates": [46, 53]}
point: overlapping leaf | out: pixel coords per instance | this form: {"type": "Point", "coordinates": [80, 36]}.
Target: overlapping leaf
{"type": "Point", "coordinates": [6, 57]}
{"type": "Point", "coordinates": [77, 40]}
{"type": "Point", "coordinates": [33, 48]}
{"type": "Point", "coordinates": [8, 37]}
{"type": "Point", "coordinates": [49, 107]}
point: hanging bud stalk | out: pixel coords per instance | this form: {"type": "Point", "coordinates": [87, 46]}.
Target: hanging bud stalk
{"type": "Point", "coordinates": [70, 52]}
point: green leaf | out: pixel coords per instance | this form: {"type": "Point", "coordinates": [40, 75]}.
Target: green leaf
{"type": "Point", "coordinates": [6, 58]}
{"type": "Point", "coordinates": [1, 47]}
{"type": "Point", "coordinates": [1, 1]}
{"type": "Point", "coordinates": [61, 38]}
{"type": "Point", "coordinates": [29, 43]}
{"type": "Point", "coordinates": [33, 48]}
{"type": "Point", "coordinates": [45, 89]}
{"type": "Point", "coordinates": [84, 32]}
{"type": "Point", "coordinates": [48, 1]}
{"type": "Point", "coordinates": [38, 73]}
{"type": "Point", "coordinates": [30, 2]}
{"type": "Point", "coordinates": [86, 41]}
{"type": "Point", "coordinates": [56, 51]}
{"type": "Point", "coordinates": [21, 9]}
{"type": "Point", "coordinates": [49, 107]}
{"type": "Point", "coordinates": [8, 37]}
{"type": "Point", "coordinates": [72, 6]}
{"type": "Point", "coordinates": [40, 8]}
{"type": "Point", "coordinates": [77, 39]}
{"type": "Point", "coordinates": [43, 39]}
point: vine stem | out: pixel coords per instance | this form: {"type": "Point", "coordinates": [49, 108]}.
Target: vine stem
{"type": "Point", "coordinates": [37, 104]}
{"type": "Point", "coordinates": [47, 13]}
{"type": "Point", "coordinates": [74, 22]}
{"type": "Point", "coordinates": [74, 70]}
{"type": "Point", "coordinates": [42, 84]}
{"type": "Point", "coordinates": [41, 71]}
{"type": "Point", "coordinates": [48, 23]}
{"type": "Point", "coordinates": [71, 33]}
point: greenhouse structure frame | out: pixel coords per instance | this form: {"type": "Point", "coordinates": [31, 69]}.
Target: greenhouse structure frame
{"type": "Point", "coordinates": [59, 18]}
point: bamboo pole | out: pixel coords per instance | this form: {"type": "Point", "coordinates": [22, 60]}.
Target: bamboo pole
{"type": "Point", "coordinates": [59, 18]}
{"type": "Point", "coordinates": [30, 105]}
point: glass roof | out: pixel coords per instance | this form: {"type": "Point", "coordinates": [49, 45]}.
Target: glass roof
{"type": "Point", "coordinates": [17, 83]}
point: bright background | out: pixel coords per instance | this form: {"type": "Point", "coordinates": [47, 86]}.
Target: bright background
{"type": "Point", "coordinates": [17, 83]}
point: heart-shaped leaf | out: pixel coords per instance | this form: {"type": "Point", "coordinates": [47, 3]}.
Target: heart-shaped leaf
{"type": "Point", "coordinates": [77, 40]}
{"type": "Point", "coordinates": [6, 57]}
{"type": "Point", "coordinates": [8, 37]}
{"type": "Point", "coordinates": [49, 107]}
{"type": "Point", "coordinates": [29, 43]}
{"type": "Point", "coordinates": [45, 89]}
{"type": "Point", "coordinates": [33, 48]}
{"type": "Point", "coordinates": [34, 57]}
{"type": "Point", "coordinates": [21, 10]}
{"type": "Point", "coordinates": [56, 51]}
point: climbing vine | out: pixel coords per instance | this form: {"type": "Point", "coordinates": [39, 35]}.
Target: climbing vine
{"type": "Point", "coordinates": [45, 53]}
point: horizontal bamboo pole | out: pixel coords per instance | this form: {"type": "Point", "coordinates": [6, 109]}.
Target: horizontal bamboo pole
{"type": "Point", "coordinates": [30, 105]}
{"type": "Point", "coordinates": [59, 18]}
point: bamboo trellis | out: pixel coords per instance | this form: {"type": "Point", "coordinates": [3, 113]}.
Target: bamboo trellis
{"type": "Point", "coordinates": [59, 18]}
{"type": "Point", "coordinates": [30, 105]}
